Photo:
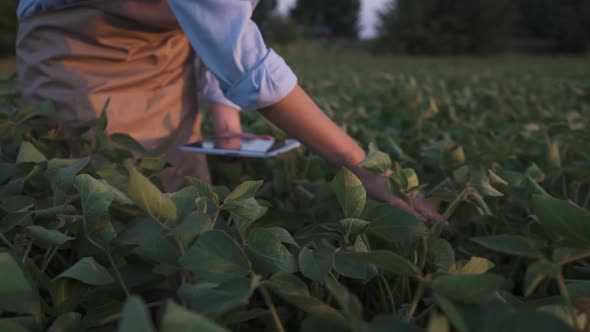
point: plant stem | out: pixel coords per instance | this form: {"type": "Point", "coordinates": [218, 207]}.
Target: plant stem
{"type": "Point", "coordinates": [217, 212]}
{"type": "Point", "coordinates": [186, 276]}
{"type": "Point", "coordinates": [272, 308]}
{"type": "Point", "coordinates": [587, 199]}
{"type": "Point", "coordinates": [565, 293]}
{"type": "Point", "coordinates": [389, 293]}
{"type": "Point", "coordinates": [6, 242]}
{"type": "Point", "coordinates": [424, 254]}
{"type": "Point", "coordinates": [383, 296]}
{"type": "Point", "coordinates": [52, 253]}
{"type": "Point", "coordinates": [456, 203]}
{"type": "Point", "coordinates": [577, 257]}
{"type": "Point", "coordinates": [118, 273]}
{"type": "Point", "coordinates": [27, 251]}
{"type": "Point", "coordinates": [415, 301]}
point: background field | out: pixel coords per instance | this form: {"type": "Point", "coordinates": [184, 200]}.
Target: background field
{"type": "Point", "coordinates": [500, 145]}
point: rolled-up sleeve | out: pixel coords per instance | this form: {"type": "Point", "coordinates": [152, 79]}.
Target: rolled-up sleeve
{"type": "Point", "coordinates": [229, 43]}
{"type": "Point", "coordinates": [209, 87]}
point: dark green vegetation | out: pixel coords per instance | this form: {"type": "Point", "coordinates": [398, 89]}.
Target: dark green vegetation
{"type": "Point", "coordinates": [341, 17]}
{"type": "Point", "coordinates": [443, 27]}
{"type": "Point", "coordinates": [8, 26]}
{"type": "Point", "coordinates": [502, 146]}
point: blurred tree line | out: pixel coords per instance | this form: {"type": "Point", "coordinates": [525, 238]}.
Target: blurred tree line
{"type": "Point", "coordinates": [442, 27]}
{"type": "Point", "coordinates": [434, 27]}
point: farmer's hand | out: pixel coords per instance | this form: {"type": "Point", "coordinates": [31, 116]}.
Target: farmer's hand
{"type": "Point", "coordinates": [425, 209]}
{"type": "Point", "coordinates": [227, 125]}
{"type": "Point", "coordinates": [377, 186]}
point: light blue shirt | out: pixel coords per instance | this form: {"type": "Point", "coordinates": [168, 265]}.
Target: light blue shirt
{"type": "Point", "coordinates": [241, 70]}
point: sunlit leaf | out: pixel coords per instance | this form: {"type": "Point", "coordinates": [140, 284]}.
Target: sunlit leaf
{"type": "Point", "coordinates": [148, 196]}
{"type": "Point", "coordinates": [350, 193]}
{"type": "Point", "coordinates": [28, 153]}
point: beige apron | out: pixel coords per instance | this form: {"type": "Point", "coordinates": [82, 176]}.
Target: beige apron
{"type": "Point", "coordinates": [132, 52]}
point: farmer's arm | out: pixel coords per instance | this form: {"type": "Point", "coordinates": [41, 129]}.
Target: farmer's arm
{"type": "Point", "coordinates": [301, 118]}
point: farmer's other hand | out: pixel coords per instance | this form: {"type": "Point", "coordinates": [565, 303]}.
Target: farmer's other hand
{"type": "Point", "coordinates": [425, 209]}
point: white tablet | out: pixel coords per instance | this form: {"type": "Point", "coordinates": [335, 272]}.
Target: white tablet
{"type": "Point", "coordinates": [251, 148]}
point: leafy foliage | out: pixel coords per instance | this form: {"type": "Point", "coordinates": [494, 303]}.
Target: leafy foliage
{"type": "Point", "coordinates": [94, 244]}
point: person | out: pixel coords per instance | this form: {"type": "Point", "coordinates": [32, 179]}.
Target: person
{"type": "Point", "coordinates": [139, 55]}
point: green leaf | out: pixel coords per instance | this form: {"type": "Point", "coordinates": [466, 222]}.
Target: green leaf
{"type": "Point", "coordinates": [314, 323]}
{"type": "Point", "coordinates": [538, 272]}
{"type": "Point", "coordinates": [316, 264]}
{"type": "Point", "coordinates": [349, 303]}
{"type": "Point", "coordinates": [440, 254]}
{"type": "Point", "coordinates": [353, 227]}
{"type": "Point", "coordinates": [287, 284]}
{"type": "Point", "coordinates": [135, 317]}
{"type": "Point", "coordinates": [563, 218]}
{"type": "Point", "coordinates": [469, 288]}
{"type": "Point", "coordinates": [348, 265]}
{"type": "Point", "coordinates": [48, 237]}
{"type": "Point", "coordinates": [128, 142]}
{"type": "Point", "coordinates": [184, 200]}
{"type": "Point", "coordinates": [578, 288]}
{"type": "Point", "coordinates": [88, 271]}
{"type": "Point", "coordinates": [28, 153]}
{"type": "Point", "coordinates": [67, 322]}
{"type": "Point", "coordinates": [16, 293]}
{"type": "Point", "coordinates": [394, 225]}
{"type": "Point", "coordinates": [179, 319]}
{"type": "Point", "coordinates": [509, 244]}
{"type": "Point", "coordinates": [452, 312]}
{"type": "Point", "coordinates": [268, 254]}
{"type": "Point", "coordinates": [350, 193]}
{"type": "Point", "coordinates": [244, 191]}
{"type": "Point", "coordinates": [388, 262]}
{"type": "Point", "coordinates": [216, 299]}
{"type": "Point", "coordinates": [204, 189]}
{"type": "Point", "coordinates": [11, 326]}
{"type": "Point", "coordinates": [151, 241]}
{"type": "Point", "coordinates": [376, 160]}
{"type": "Point", "coordinates": [475, 265]}
{"type": "Point", "coordinates": [390, 323]}
{"type": "Point", "coordinates": [533, 321]}
{"type": "Point", "coordinates": [248, 209]}
{"type": "Point", "coordinates": [284, 236]}
{"type": "Point", "coordinates": [61, 172]}
{"type": "Point", "coordinates": [14, 219]}
{"type": "Point", "coordinates": [150, 198]}
{"type": "Point", "coordinates": [17, 203]}
{"type": "Point", "coordinates": [438, 323]}
{"type": "Point", "coordinates": [96, 199]}
{"type": "Point", "coordinates": [7, 171]}
{"type": "Point", "coordinates": [194, 225]}
{"type": "Point", "coordinates": [216, 257]}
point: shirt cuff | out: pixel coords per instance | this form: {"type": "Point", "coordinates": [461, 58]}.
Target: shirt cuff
{"type": "Point", "coordinates": [264, 85]}
{"type": "Point", "coordinates": [209, 87]}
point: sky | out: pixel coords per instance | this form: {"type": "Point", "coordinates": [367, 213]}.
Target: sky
{"type": "Point", "coordinates": [368, 13]}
